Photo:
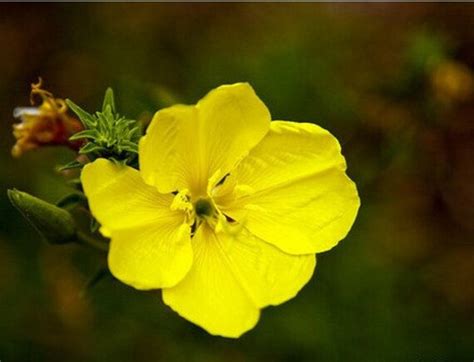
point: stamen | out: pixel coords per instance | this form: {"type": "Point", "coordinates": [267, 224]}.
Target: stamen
{"type": "Point", "coordinates": [181, 201]}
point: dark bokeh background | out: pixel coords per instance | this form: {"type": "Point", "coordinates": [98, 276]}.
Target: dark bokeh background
{"type": "Point", "coordinates": [394, 83]}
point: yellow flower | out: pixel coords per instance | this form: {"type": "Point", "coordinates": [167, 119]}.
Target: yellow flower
{"type": "Point", "coordinates": [227, 210]}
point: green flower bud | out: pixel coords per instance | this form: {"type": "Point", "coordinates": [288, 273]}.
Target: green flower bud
{"type": "Point", "coordinates": [54, 224]}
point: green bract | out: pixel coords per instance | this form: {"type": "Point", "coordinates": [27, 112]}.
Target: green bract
{"type": "Point", "coordinates": [54, 224]}
{"type": "Point", "coordinates": [108, 134]}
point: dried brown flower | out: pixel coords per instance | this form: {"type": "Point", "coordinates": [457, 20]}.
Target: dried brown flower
{"type": "Point", "coordinates": [45, 125]}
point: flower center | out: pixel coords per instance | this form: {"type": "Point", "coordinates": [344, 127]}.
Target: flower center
{"type": "Point", "coordinates": [203, 208]}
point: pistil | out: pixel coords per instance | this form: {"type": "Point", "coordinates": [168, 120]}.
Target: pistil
{"type": "Point", "coordinates": [204, 208]}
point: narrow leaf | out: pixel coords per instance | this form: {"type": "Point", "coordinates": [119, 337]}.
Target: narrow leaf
{"type": "Point", "coordinates": [88, 133]}
{"type": "Point", "coordinates": [86, 118]}
{"type": "Point", "coordinates": [90, 147]}
{"type": "Point", "coordinates": [70, 166]}
{"type": "Point", "coordinates": [109, 100]}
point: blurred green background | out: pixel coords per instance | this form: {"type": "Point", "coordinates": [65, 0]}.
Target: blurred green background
{"type": "Point", "coordinates": [395, 84]}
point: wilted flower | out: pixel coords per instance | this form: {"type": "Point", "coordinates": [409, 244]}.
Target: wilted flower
{"type": "Point", "coordinates": [46, 125]}
{"type": "Point", "coordinates": [227, 210]}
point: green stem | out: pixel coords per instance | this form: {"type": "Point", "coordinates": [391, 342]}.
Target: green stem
{"type": "Point", "coordinates": [85, 239]}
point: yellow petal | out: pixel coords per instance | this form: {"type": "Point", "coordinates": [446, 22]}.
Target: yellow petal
{"type": "Point", "coordinates": [234, 120]}
{"type": "Point", "coordinates": [118, 197]}
{"type": "Point", "coordinates": [210, 295]}
{"type": "Point", "coordinates": [167, 152]}
{"type": "Point", "coordinates": [150, 246]}
{"type": "Point", "coordinates": [194, 143]}
{"type": "Point", "coordinates": [269, 275]}
{"type": "Point", "coordinates": [292, 190]}
{"type": "Point", "coordinates": [152, 256]}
